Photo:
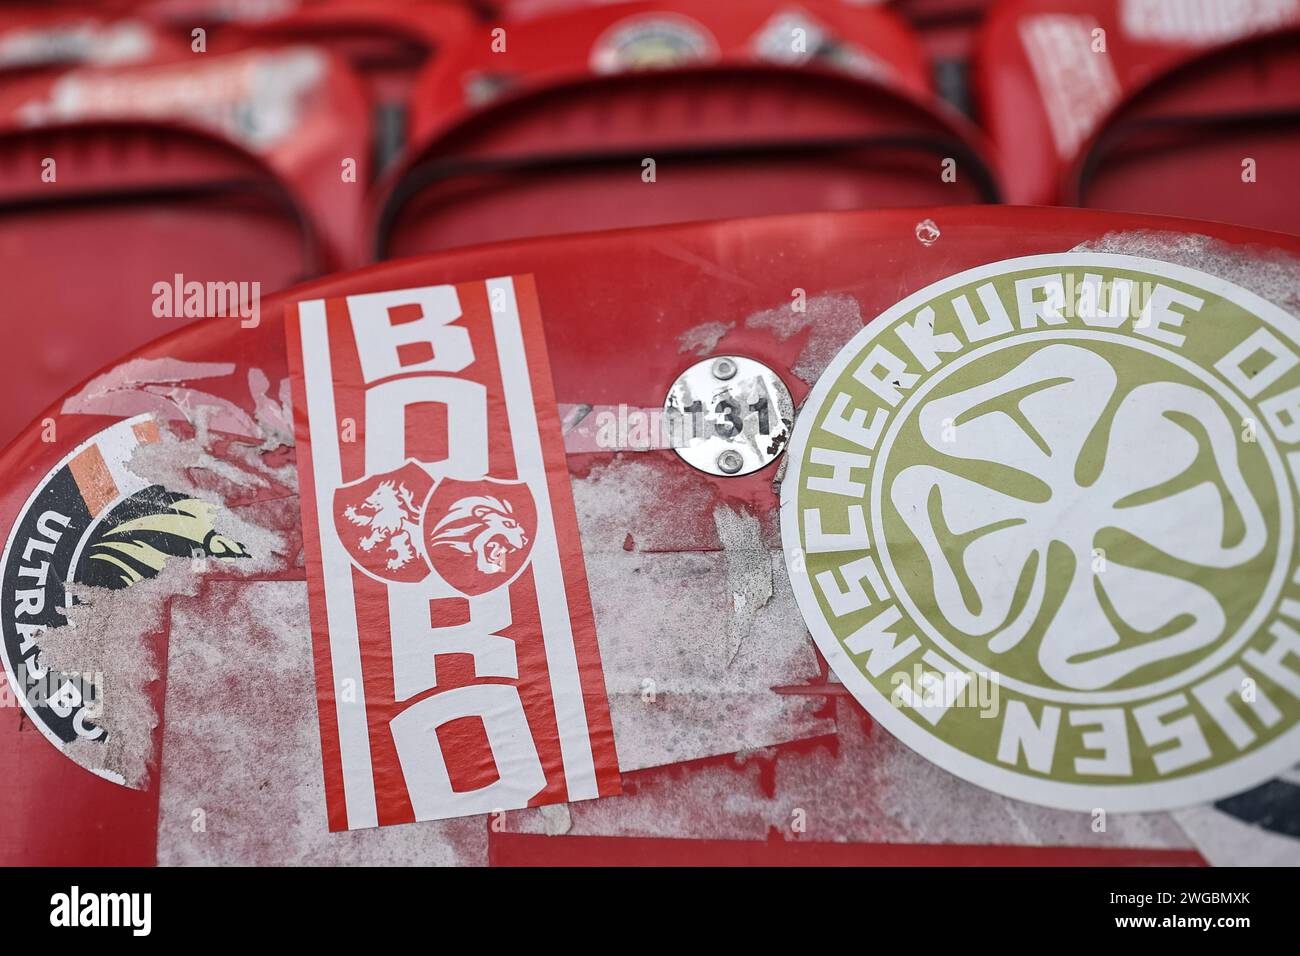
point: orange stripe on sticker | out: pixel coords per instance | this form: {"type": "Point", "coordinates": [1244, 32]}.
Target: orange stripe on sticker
{"type": "Point", "coordinates": [93, 480]}
{"type": "Point", "coordinates": [146, 433]}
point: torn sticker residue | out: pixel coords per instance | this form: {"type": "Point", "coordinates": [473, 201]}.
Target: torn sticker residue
{"type": "Point", "coordinates": [829, 321]}
{"type": "Point", "coordinates": [241, 759]}
{"type": "Point", "coordinates": [161, 387]}
{"type": "Point", "coordinates": [695, 616]}
{"type": "Point", "coordinates": [703, 339]}
{"type": "Point", "coordinates": [437, 514]}
{"type": "Point", "coordinates": [608, 428]}
{"type": "Point", "coordinates": [1269, 273]}
{"type": "Point", "coordinates": [735, 708]}
{"type": "Point", "coordinates": [860, 786]}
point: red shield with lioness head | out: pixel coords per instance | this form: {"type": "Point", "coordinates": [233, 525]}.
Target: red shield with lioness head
{"type": "Point", "coordinates": [479, 534]}
{"type": "Point", "coordinates": [378, 521]}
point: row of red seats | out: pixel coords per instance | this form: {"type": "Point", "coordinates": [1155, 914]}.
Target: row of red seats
{"type": "Point", "coordinates": [311, 137]}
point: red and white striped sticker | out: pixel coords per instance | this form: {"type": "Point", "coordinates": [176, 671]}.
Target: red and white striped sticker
{"type": "Point", "coordinates": [456, 658]}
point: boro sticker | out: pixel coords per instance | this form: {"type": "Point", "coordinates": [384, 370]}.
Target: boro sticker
{"type": "Point", "coordinates": [457, 665]}
{"type": "Point", "coordinates": [1040, 518]}
{"type": "Point", "coordinates": [94, 522]}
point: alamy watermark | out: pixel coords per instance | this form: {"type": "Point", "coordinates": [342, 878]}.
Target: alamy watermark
{"type": "Point", "coordinates": [182, 299]}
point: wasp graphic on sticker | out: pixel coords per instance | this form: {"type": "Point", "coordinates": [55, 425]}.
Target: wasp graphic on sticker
{"type": "Point", "coordinates": [96, 523]}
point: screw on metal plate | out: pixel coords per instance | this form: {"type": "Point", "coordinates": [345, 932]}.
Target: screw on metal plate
{"type": "Point", "coordinates": [730, 461]}
{"type": "Point", "coordinates": [724, 369]}
{"type": "Point", "coordinates": [729, 415]}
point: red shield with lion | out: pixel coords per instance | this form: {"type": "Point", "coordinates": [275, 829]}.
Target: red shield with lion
{"type": "Point", "coordinates": [378, 520]}
{"type": "Point", "coordinates": [479, 534]}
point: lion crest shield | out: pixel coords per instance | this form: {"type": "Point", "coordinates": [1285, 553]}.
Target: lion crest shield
{"type": "Point", "coordinates": [479, 534]}
{"type": "Point", "coordinates": [378, 520]}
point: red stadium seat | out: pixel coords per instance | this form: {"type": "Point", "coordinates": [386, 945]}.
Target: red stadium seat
{"type": "Point", "coordinates": [1147, 105]}
{"type": "Point", "coordinates": [617, 309]}
{"type": "Point", "coordinates": [947, 28]}
{"type": "Point", "coordinates": [551, 134]}
{"type": "Point", "coordinates": [386, 44]}
{"type": "Point", "coordinates": [1217, 138]}
{"type": "Point", "coordinates": [221, 169]}
{"type": "Point", "coordinates": [41, 37]}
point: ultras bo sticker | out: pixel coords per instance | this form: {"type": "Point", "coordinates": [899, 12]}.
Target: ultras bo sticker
{"type": "Point", "coordinates": [1040, 518]}
{"type": "Point", "coordinates": [91, 521]}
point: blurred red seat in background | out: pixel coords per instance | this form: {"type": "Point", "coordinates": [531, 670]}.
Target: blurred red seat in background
{"type": "Point", "coordinates": [40, 37]}
{"type": "Point", "coordinates": [386, 42]}
{"type": "Point", "coordinates": [1218, 138]}
{"type": "Point", "coordinates": [1147, 105]}
{"type": "Point", "coordinates": [947, 28]}
{"type": "Point", "coordinates": [219, 169]}
{"type": "Point", "coordinates": [747, 111]}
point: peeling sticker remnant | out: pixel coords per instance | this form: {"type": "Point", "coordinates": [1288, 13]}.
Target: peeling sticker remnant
{"type": "Point", "coordinates": [749, 572]}
{"type": "Point", "coordinates": [77, 648]}
{"type": "Point", "coordinates": [688, 675]}
{"type": "Point", "coordinates": [247, 753]}
{"type": "Point", "coordinates": [703, 338]}
{"type": "Point", "coordinates": [829, 321]}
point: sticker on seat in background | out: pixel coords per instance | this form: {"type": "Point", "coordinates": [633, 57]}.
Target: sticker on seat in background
{"type": "Point", "coordinates": [1040, 518]}
{"type": "Point", "coordinates": [457, 665]}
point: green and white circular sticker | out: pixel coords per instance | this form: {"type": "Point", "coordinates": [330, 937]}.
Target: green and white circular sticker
{"type": "Point", "coordinates": [1040, 518]}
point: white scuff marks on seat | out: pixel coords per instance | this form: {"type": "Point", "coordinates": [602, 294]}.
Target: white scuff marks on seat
{"type": "Point", "coordinates": [749, 572]}
{"type": "Point", "coordinates": [241, 755]}
{"type": "Point", "coordinates": [829, 320]}
{"type": "Point", "coordinates": [163, 388]}
{"type": "Point", "coordinates": [861, 786]}
{"type": "Point", "coordinates": [556, 819]}
{"type": "Point", "coordinates": [702, 339]}
{"type": "Point", "coordinates": [687, 676]}
{"type": "Point", "coordinates": [1269, 273]}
